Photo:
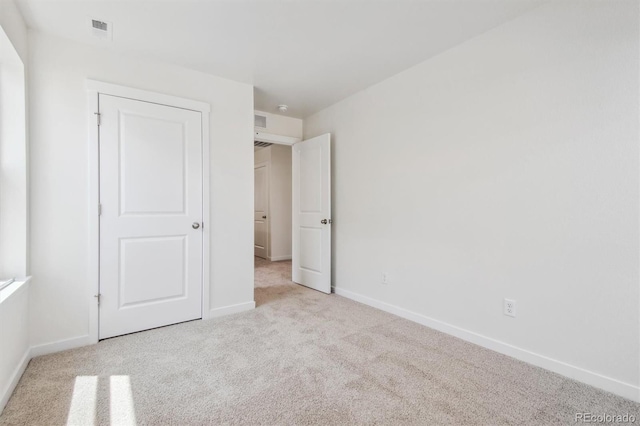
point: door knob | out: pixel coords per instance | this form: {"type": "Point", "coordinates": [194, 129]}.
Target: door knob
{"type": "Point", "coordinates": [324, 221]}
{"type": "Point", "coordinates": [195, 225]}
{"type": "Point", "coordinates": [264, 217]}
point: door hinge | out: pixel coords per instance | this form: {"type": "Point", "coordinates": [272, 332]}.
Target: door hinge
{"type": "Point", "coordinates": [99, 209]}
{"type": "Point", "coordinates": [97, 296]}
{"type": "Point", "coordinates": [98, 115]}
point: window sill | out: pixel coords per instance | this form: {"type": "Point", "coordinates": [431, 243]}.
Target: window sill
{"type": "Point", "coordinates": [13, 288]}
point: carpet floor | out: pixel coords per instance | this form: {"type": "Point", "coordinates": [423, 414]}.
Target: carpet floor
{"type": "Point", "coordinates": [301, 357]}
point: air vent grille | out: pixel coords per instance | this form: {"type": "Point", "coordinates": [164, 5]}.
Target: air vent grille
{"type": "Point", "coordinates": [260, 121]}
{"type": "Point", "coordinates": [100, 29]}
{"type": "Point", "coordinates": [99, 25]}
{"type": "Point", "coordinates": [261, 144]}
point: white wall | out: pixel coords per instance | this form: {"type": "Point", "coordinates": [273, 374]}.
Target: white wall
{"type": "Point", "coordinates": [280, 202]}
{"type": "Point", "coordinates": [504, 167]}
{"type": "Point", "coordinates": [13, 24]}
{"type": "Point", "coordinates": [281, 125]}
{"type": "Point", "coordinates": [60, 172]}
{"type": "Point", "coordinates": [262, 154]}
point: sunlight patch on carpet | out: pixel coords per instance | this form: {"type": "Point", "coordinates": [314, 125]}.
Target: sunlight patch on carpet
{"type": "Point", "coordinates": [82, 411]}
{"type": "Point", "coordinates": [121, 401]}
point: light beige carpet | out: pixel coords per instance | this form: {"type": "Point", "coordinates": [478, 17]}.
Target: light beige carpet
{"type": "Point", "coordinates": [301, 357]}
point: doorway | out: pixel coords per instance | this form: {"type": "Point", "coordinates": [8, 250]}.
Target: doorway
{"type": "Point", "coordinates": [272, 202]}
{"type": "Point", "coordinates": [272, 222]}
{"type": "Point", "coordinates": [152, 200]}
{"type": "Point", "coordinates": [292, 213]}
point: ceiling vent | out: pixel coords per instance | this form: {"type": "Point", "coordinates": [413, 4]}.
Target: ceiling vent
{"type": "Point", "coordinates": [262, 144]}
{"type": "Point", "coordinates": [101, 29]}
{"type": "Point", "coordinates": [260, 121]}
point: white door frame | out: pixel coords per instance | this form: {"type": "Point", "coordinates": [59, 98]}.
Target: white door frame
{"type": "Point", "coordinates": [94, 88]}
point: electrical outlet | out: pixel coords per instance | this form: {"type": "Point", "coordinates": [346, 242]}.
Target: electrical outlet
{"type": "Point", "coordinates": [510, 307]}
{"type": "Point", "coordinates": [385, 278]}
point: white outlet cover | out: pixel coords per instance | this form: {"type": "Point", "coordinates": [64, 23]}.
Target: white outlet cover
{"type": "Point", "coordinates": [510, 307]}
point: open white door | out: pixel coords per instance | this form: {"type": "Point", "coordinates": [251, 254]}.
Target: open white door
{"type": "Point", "coordinates": [312, 213]}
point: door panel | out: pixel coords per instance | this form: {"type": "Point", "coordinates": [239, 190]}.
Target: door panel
{"type": "Point", "coordinates": [160, 260]}
{"type": "Point", "coordinates": [151, 195]}
{"type": "Point", "coordinates": [157, 186]}
{"type": "Point", "coordinates": [312, 213]}
{"type": "Point", "coordinates": [261, 209]}
{"type": "Point", "coordinates": [310, 248]}
{"type": "Point", "coordinates": [311, 179]}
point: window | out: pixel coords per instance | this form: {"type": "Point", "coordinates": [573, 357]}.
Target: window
{"type": "Point", "coordinates": [13, 164]}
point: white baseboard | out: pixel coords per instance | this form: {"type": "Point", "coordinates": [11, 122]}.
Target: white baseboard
{"type": "Point", "coordinates": [279, 258]}
{"type": "Point", "coordinates": [61, 345]}
{"type": "Point", "coordinates": [35, 351]}
{"type": "Point", "coordinates": [609, 384]}
{"type": "Point", "coordinates": [15, 378]}
{"type": "Point", "coordinates": [231, 309]}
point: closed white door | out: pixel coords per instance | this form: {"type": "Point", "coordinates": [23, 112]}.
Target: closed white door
{"type": "Point", "coordinates": [312, 213]}
{"type": "Point", "coordinates": [151, 215]}
{"type": "Point", "coordinates": [261, 208]}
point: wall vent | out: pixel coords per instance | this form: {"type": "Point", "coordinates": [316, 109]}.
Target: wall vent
{"type": "Point", "coordinates": [101, 29]}
{"type": "Point", "coordinates": [99, 25]}
{"type": "Point", "coordinates": [260, 121]}
{"type": "Point", "coordinates": [262, 144]}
